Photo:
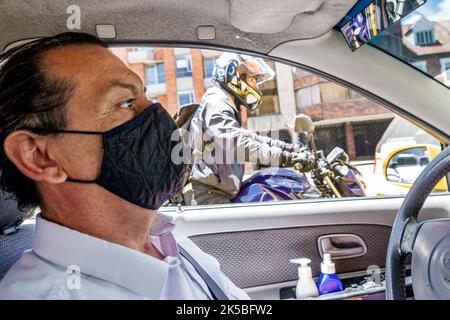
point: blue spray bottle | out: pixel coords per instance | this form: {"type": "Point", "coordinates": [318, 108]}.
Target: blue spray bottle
{"type": "Point", "coordinates": [328, 281]}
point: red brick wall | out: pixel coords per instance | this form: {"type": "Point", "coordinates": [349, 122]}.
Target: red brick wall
{"type": "Point", "coordinates": [162, 99]}
{"type": "Point", "coordinates": [198, 74]}
{"type": "Point", "coordinates": [343, 109]}
{"type": "Point", "coordinates": [171, 81]}
{"type": "Point", "coordinates": [159, 54]}
{"type": "Point", "coordinates": [434, 65]}
{"type": "Point", "coordinates": [306, 81]}
{"type": "Point", "coordinates": [349, 140]}
{"type": "Point", "coordinates": [339, 109]}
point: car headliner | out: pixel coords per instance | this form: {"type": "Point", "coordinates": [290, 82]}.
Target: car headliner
{"type": "Point", "coordinates": [303, 35]}
{"type": "Point", "coordinates": [237, 22]}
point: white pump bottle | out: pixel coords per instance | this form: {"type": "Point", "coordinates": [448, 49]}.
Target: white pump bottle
{"type": "Point", "coordinates": [306, 287]}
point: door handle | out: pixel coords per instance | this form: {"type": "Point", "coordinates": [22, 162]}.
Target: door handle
{"type": "Point", "coordinates": [342, 246]}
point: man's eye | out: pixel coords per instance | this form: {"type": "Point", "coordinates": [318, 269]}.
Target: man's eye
{"type": "Point", "coordinates": [129, 104]}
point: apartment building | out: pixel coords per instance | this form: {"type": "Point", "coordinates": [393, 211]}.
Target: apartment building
{"type": "Point", "coordinates": [177, 76]}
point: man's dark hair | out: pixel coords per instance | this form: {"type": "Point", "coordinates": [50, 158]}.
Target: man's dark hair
{"type": "Point", "coordinates": [32, 97]}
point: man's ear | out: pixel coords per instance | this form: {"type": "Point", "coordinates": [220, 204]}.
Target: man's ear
{"type": "Point", "coordinates": [29, 153]}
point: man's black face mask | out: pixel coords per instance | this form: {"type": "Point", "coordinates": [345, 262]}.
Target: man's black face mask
{"type": "Point", "coordinates": [137, 164]}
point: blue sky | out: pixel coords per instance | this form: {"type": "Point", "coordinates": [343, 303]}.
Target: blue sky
{"type": "Point", "coordinates": [434, 10]}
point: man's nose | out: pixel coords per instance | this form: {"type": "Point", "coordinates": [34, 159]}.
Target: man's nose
{"type": "Point", "coordinates": [253, 83]}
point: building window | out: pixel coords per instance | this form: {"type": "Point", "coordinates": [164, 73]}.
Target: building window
{"type": "Point", "coordinates": [308, 96]}
{"type": "Point", "coordinates": [424, 37]}
{"type": "Point", "coordinates": [421, 65]}
{"type": "Point", "coordinates": [144, 49]}
{"type": "Point", "coordinates": [183, 66]}
{"type": "Point", "coordinates": [445, 68]}
{"type": "Point", "coordinates": [185, 97]}
{"type": "Point", "coordinates": [156, 74]}
{"type": "Point", "coordinates": [209, 67]}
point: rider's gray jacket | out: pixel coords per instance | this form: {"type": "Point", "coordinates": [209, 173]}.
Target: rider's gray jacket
{"type": "Point", "coordinates": [221, 147]}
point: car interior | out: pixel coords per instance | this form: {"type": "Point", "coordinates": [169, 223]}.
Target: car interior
{"type": "Point", "coordinates": [373, 240]}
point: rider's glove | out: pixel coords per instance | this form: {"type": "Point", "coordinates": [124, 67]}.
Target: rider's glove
{"type": "Point", "coordinates": [292, 147]}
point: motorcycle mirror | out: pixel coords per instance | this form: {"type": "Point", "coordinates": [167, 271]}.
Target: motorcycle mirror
{"type": "Point", "coordinates": [304, 123]}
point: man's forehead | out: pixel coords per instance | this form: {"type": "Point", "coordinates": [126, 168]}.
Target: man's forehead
{"type": "Point", "coordinates": [82, 61]}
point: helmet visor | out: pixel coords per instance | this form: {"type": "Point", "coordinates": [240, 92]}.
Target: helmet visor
{"type": "Point", "coordinates": [258, 69]}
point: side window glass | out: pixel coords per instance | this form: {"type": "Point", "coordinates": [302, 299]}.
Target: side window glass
{"type": "Point", "coordinates": [389, 151]}
{"type": "Point", "coordinates": [359, 147]}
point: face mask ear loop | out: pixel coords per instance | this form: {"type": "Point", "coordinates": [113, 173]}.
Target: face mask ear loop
{"type": "Point", "coordinates": [80, 181]}
{"type": "Point", "coordinates": [49, 131]}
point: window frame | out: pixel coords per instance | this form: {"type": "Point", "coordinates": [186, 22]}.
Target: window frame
{"type": "Point", "coordinates": [311, 88]}
{"type": "Point", "coordinates": [156, 73]}
{"type": "Point", "coordinates": [424, 37]}
{"type": "Point", "coordinates": [188, 72]}
{"type": "Point", "coordinates": [204, 68]}
{"type": "Point", "coordinates": [191, 95]}
{"type": "Point", "coordinates": [427, 127]}
{"type": "Point", "coordinates": [446, 71]}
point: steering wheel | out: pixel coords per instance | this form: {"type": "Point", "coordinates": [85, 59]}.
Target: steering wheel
{"type": "Point", "coordinates": [428, 242]}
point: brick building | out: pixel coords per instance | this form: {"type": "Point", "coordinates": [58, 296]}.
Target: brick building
{"type": "Point", "coordinates": [346, 119]}
{"type": "Point", "coordinates": [342, 117]}
{"type": "Point", "coordinates": [176, 76]}
{"type": "Point", "coordinates": [173, 76]}
{"type": "Point", "coordinates": [423, 43]}
{"type": "Point", "coordinates": [427, 46]}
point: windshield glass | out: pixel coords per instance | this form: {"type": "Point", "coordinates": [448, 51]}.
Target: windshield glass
{"type": "Point", "coordinates": [422, 39]}
{"type": "Point", "coordinates": [404, 133]}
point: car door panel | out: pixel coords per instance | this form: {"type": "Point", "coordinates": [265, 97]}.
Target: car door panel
{"type": "Point", "coordinates": [261, 257]}
{"type": "Point", "coordinates": [254, 242]}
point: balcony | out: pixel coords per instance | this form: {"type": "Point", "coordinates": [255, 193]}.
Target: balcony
{"type": "Point", "coordinates": [185, 84]}
{"type": "Point", "coordinates": [141, 56]}
{"type": "Point", "coordinates": [210, 53]}
{"type": "Point", "coordinates": [181, 51]}
{"type": "Point", "coordinates": [154, 90]}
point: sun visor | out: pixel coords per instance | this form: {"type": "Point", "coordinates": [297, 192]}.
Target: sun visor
{"type": "Point", "coordinates": [268, 16]}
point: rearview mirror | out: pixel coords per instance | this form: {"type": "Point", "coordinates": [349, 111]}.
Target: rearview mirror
{"type": "Point", "coordinates": [360, 27]}
{"type": "Point", "coordinates": [304, 124]}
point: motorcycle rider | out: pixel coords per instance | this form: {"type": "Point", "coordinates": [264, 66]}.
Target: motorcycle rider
{"type": "Point", "coordinates": [215, 132]}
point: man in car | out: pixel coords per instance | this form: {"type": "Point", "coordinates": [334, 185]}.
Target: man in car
{"type": "Point", "coordinates": [81, 141]}
{"type": "Point", "coordinates": [220, 145]}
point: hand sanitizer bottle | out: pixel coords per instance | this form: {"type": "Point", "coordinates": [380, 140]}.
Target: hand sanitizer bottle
{"type": "Point", "coordinates": [328, 281]}
{"type": "Point", "coordinates": [306, 287]}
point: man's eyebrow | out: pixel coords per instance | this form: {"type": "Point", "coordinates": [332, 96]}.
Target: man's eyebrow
{"type": "Point", "coordinates": [126, 85]}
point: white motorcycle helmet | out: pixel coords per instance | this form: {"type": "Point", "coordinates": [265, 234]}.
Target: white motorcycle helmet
{"type": "Point", "coordinates": [230, 72]}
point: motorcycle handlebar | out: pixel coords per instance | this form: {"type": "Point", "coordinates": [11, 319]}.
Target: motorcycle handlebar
{"type": "Point", "coordinates": [298, 166]}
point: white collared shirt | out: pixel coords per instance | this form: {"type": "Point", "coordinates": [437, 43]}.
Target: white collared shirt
{"type": "Point", "coordinates": [67, 264]}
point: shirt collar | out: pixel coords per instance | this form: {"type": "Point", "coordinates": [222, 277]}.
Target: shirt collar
{"type": "Point", "coordinates": [105, 260]}
{"type": "Point", "coordinates": [161, 224]}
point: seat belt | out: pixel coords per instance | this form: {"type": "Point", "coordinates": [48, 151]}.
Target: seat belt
{"type": "Point", "coordinates": [213, 287]}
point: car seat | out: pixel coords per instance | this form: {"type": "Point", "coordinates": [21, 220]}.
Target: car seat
{"type": "Point", "coordinates": [15, 237]}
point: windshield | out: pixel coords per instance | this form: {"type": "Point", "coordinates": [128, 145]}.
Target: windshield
{"type": "Point", "coordinates": [401, 131]}
{"type": "Point", "coordinates": [422, 39]}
